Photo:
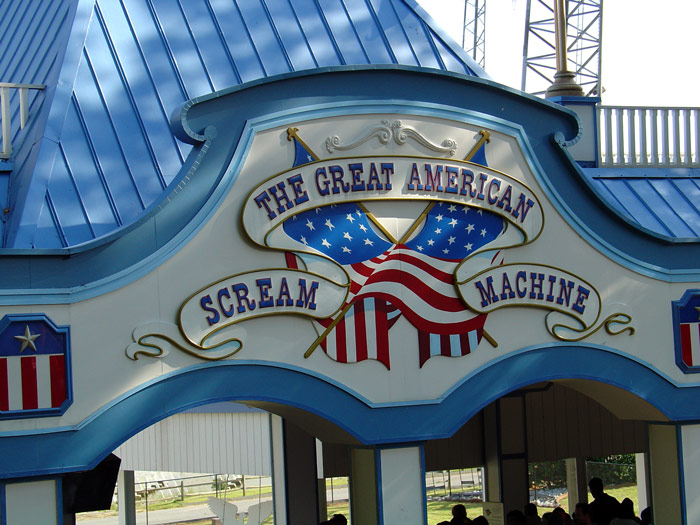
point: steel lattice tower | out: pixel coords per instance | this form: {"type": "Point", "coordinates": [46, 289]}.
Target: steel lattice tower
{"type": "Point", "coordinates": [584, 31]}
{"type": "Point", "coordinates": [473, 34]}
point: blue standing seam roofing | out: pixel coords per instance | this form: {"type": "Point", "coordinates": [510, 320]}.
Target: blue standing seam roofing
{"type": "Point", "coordinates": [99, 149]}
{"type": "Point", "coordinates": [663, 200]}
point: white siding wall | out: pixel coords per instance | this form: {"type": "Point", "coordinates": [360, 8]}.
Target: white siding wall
{"type": "Point", "coordinates": [227, 443]}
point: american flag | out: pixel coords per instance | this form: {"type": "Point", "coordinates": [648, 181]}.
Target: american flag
{"type": "Point", "coordinates": [689, 327]}
{"type": "Point", "coordinates": [32, 367]}
{"type": "Point", "coordinates": [388, 279]}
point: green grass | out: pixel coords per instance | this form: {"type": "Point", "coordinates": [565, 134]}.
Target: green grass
{"type": "Point", "coordinates": [437, 510]}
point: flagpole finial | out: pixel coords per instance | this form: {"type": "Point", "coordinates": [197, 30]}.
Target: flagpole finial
{"type": "Point", "coordinates": [292, 133]}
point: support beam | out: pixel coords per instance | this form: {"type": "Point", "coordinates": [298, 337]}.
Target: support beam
{"type": "Point", "coordinates": [126, 497]}
{"type": "Point", "coordinates": [690, 450]}
{"type": "Point", "coordinates": [576, 483]}
{"type": "Point", "coordinates": [364, 494]}
{"type": "Point", "coordinates": [664, 470]}
{"type": "Point", "coordinates": [295, 485]}
{"type": "Point", "coordinates": [506, 453]}
{"type": "Point", "coordinates": [387, 485]}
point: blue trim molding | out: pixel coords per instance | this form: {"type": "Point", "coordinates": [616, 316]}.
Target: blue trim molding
{"type": "Point", "coordinates": [82, 447]}
{"type": "Point", "coordinates": [215, 125]}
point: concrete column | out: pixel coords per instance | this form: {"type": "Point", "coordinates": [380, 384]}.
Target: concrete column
{"type": "Point", "coordinates": [576, 483]}
{"type": "Point", "coordinates": [126, 497]}
{"type": "Point", "coordinates": [295, 486]}
{"type": "Point", "coordinates": [387, 486]}
{"type": "Point", "coordinates": [664, 472]}
{"type": "Point", "coordinates": [31, 503]}
{"type": "Point", "coordinates": [690, 458]}
{"type": "Point", "coordinates": [506, 453]}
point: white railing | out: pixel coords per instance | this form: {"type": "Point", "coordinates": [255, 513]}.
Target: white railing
{"type": "Point", "coordinates": [647, 136]}
{"type": "Point", "coordinates": [5, 116]}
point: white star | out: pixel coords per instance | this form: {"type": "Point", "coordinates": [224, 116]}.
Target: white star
{"type": "Point", "coordinates": [363, 228]}
{"type": "Point", "coordinates": [439, 217]}
{"type": "Point", "coordinates": [430, 242]}
{"type": "Point", "coordinates": [310, 225]}
{"type": "Point", "coordinates": [303, 239]}
{"type": "Point", "coordinates": [480, 211]}
{"type": "Point", "coordinates": [453, 222]}
{"type": "Point", "coordinates": [419, 248]}
{"type": "Point", "coordinates": [452, 207]}
{"type": "Point", "coordinates": [470, 228]}
{"type": "Point", "coordinates": [329, 224]}
{"type": "Point", "coordinates": [465, 209]}
{"type": "Point", "coordinates": [483, 232]}
{"type": "Point", "coordinates": [346, 249]}
{"type": "Point", "coordinates": [451, 240]}
{"type": "Point", "coordinates": [326, 243]}
{"type": "Point", "coordinates": [445, 251]}
{"type": "Point", "coordinates": [347, 236]}
{"type": "Point", "coordinates": [468, 246]}
{"type": "Point", "coordinates": [368, 242]}
{"type": "Point", "coordinates": [27, 339]}
{"type": "Point", "coordinates": [438, 231]}
{"type": "Point", "coordinates": [350, 217]}
{"type": "Point", "coordinates": [309, 158]}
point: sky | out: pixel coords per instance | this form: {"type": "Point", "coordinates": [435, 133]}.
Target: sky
{"type": "Point", "coordinates": [648, 56]}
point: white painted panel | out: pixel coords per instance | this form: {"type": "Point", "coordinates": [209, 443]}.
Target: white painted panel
{"type": "Point", "coordinates": [233, 443]}
{"type": "Point", "coordinates": [402, 486]}
{"type": "Point", "coordinates": [691, 471]}
{"type": "Point", "coordinates": [39, 496]}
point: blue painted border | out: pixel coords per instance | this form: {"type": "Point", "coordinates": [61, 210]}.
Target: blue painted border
{"type": "Point", "coordinates": [681, 475]}
{"type": "Point", "coordinates": [675, 314]}
{"type": "Point", "coordinates": [49, 452]}
{"type": "Point", "coordinates": [59, 500]}
{"type": "Point", "coordinates": [3, 505]}
{"type": "Point", "coordinates": [215, 124]}
{"type": "Point", "coordinates": [62, 329]}
{"type": "Point", "coordinates": [378, 481]}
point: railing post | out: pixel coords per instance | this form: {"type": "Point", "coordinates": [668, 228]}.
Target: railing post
{"type": "Point", "coordinates": [5, 116]}
{"type": "Point", "coordinates": [676, 137]}
{"type": "Point", "coordinates": [654, 136]}
{"type": "Point", "coordinates": [664, 138]}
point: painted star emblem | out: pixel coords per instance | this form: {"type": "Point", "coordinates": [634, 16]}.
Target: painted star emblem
{"type": "Point", "coordinates": [27, 339]}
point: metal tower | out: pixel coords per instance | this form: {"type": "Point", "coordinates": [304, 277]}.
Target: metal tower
{"type": "Point", "coordinates": [584, 31]}
{"type": "Point", "coordinates": [473, 34]}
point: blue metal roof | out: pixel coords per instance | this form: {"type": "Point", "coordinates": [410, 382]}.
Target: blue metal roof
{"type": "Point", "coordinates": [101, 150]}
{"type": "Point", "coordinates": [663, 200]}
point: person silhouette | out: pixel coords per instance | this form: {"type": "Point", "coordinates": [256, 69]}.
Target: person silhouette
{"type": "Point", "coordinates": [604, 507]}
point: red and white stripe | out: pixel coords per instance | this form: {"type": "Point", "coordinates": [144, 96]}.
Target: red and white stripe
{"type": "Point", "coordinates": [690, 343]}
{"type": "Point", "coordinates": [448, 345]}
{"type": "Point", "coordinates": [420, 285]}
{"type": "Point", "coordinates": [32, 382]}
{"type": "Point", "coordinates": [362, 333]}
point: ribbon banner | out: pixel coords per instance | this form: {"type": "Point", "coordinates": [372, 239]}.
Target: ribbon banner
{"type": "Point", "coordinates": [574, 304]}
{"type": "Point", "coordinates": [367, 179]}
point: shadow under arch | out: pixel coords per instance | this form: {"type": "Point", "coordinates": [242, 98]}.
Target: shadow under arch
{"type": "Point", "coordinates": [83, 446]}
